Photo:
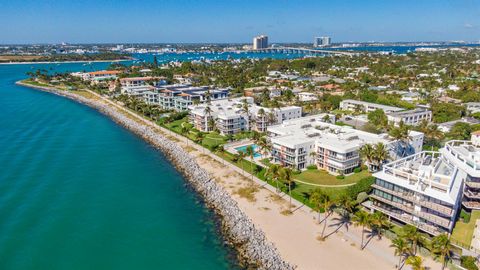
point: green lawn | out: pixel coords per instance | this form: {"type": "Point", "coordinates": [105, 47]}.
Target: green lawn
{"type": "Point", "coordinates": [213, 139]}
{"type": "Point", "coordinates": [463, 232]}
{"type": "Point", "coordinates": [321, 177]}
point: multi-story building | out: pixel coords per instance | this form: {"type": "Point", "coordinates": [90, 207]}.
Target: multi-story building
{"type": "Point", "coordinates": [140, 85]}
{"type": "Point", "coordinates": [179, 96]}
{"type": "Point", "coordinates": [321, 41]}
{"type": "Point", "coordinates": [260, 42]}
{"type": "Point", "coordinates": [236, 115]}
{"type": "Point", "coordinates": [423, 190]}
{"type": "Point", "coordinates": [315, 140]}
{"type": "Point", "coordinates": [428, 189]}
{"type": "Point", "coordinates": [97, 76]}
{"type": "Point", "coordinates": [411, 117]}
{"type": "Point", "coordinates": [366, 107]}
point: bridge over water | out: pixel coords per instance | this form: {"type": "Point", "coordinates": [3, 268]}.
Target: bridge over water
{"type": "Point", "coordinates": [301, 51]}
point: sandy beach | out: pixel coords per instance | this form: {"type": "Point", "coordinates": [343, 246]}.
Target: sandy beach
{"type": "Point", "coordinates": [294, 235]}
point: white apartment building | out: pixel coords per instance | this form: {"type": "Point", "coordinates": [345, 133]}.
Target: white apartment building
{"type": "Point", "coordinates": [301, 142]}
{"type": "Point", "coordinates": [428, 189]}
{"type": "Point", "coordinates": [97, 76]}
{"type": "Point", "coordinates": [230, 116]}
{"type": "Point", "coordinates": [138, 85]}
{"type": "Point", "coordinates": [321, 41]}
{"type": "Point", "coordinates": [260, 42]}
{"type": "Point", "coordinates": [411, 117]}
{"type": "Point", "coordinates": [366, 107]}
{"type": "Point", "coordinates": [423, 190]}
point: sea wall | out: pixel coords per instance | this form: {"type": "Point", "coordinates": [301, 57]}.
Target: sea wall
{"type": "Point", "coordinates": [249, 240]}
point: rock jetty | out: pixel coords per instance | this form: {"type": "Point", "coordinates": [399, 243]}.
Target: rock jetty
{"type": "Point", "coordinates": [253, 247]}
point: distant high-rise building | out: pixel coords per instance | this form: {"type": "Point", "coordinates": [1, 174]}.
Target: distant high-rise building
{"type": "Point", "coordinates": [321, 41]}
{"type": "Point", "coordinates": [260, 42]}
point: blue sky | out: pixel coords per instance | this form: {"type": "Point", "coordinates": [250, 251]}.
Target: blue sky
{"type": "Point", "coordinates": [88, 21]}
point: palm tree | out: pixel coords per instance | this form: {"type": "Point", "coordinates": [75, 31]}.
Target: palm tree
{"type": "Point", "coordinates": [367, 153]}
{"type": "Point", "coordinates": [207, 111]}
{"type": "Point", "coordinates": [362, 218]}
{"type": "Point", "coordinates": [380, 154]}
{"type": "Point", "coordinates": [261, 115]}
{"type": "Point", "coordinates": [413, 236]}
{"type": "Point", "coordinates": [401, 249]}
{"type": "Point", "coordinates": [241, 155]}
{"type": "Point", "coordinates": [442, 248]}
{"type": "Point", "coordinates": [274, 172]}
{"type": "Point", "coordinates": [327, 207]}
{"type": "Point", "coordinates": [346, 203]}
{"type": "Point", "coordinates": [184, 131]}
{"type": "Point", "coordinates": [379, 223]}
{"type": "Point", "coordinates": [287, 175]}
{"type": "Point", "coordinates": [221, 149]}
{"type": "Point", "coordinates": [250, 153]}
{"type": "Point", "coordinates": [264, 146]}
{"type": "Point", "coordinates": [316, 200]}
{"type": "Point", "coordinates": [416, 262]}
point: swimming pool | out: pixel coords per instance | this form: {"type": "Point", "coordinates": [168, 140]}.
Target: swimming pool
{"type": "Point", "coordinates": [244, 149]}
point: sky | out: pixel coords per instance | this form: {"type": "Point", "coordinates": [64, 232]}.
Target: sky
{"type": "Point", "coordinates": [236, 21]}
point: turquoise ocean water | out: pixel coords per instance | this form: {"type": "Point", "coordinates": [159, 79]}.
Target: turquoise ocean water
{"type": "Point", "coordinates": [78, 191]}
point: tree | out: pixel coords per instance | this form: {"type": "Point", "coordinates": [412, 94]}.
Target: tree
{"type": "Point", "coordinates": [155, 61]}
{"type": "Point", "coordinates": [362, 218]}
{"type": "Point", "coordinates": [380, 154]}
{"type": "Point", "coordinates": [460, 131]}
{"type": "Point", "coordinates": [326, 118]}
{"type": "Point", "coordinates": [413, 236]}
{"type": "Point", "coordinates": [327, 207]}
{"type": "Point", "coordinates": [287, 176]}
{"type": "Point", "coordinates": [442, 248]}
{"type": "Point", "coordinates": [367, 153]}
{"type": "Point", "coordinates": [378, 118]}
{"type": "Point", "coordinates": [241, 155]}
{"type": "Point", "coordinates": [401, 249]}
{"type": "Point", "coordinates": [416, 262]}
{"type": "Point", "coordinates": [274, 172]}
{"type": "Point", "coordinates": [316, 200]}
{"type": "Point", "coordinates": [250, 152]}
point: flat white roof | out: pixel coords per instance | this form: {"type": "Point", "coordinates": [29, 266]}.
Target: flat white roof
{"type": "Point", "coordinates": [314, 130]}
{"type": "Point", "coordinates": [380, 106]}
{"type": "Point", "coordinates": [426, 173]}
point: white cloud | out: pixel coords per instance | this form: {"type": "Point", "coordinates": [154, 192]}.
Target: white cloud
{"type": "Point", "coordinates": [468, 25]}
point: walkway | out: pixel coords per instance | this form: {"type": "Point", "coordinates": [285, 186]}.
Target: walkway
{"type": "Point", "coordinates": [303, 231]}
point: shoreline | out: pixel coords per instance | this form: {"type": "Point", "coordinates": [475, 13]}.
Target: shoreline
{"type": "Point", "coordinates": [250, 242]}
{"type": "Point", "coordinates": [64, 62]}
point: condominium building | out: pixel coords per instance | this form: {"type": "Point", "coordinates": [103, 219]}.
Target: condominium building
{"type": "Point", "coordinates": [97, 76]}
{"type": "Point", "coordinates": [428, 189]}
{"type": "Point", "coordinates": [321, 41]}
{"type": "Point", "coordinates": [180, 96]}
{"type": "Point", "coordinates": [411, 117]}
{"type": "Point", "coordinates": [236, 115]}
{"type": "Point", "coordinates": [366, 107]}
{"type": "Point", "coordinates": [140, 85]}
{"type": "Point", "coordinates": [260, 42]}
{"type": "Point", "coordinates": [423, 190]}
{"type": "Point", "coordinates": [310, 140]}
{"type": "Point", "coordinates": [465, 155]}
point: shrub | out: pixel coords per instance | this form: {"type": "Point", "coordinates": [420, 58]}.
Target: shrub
{"type": "Point", "coordinates": [465, 216]}
{"type": "Point", "coordinates": [364, 185]}
{"type": "Point", "coordinates": [312, 167]}
{"type": "Point", "coordinates": [357, 170]}
{"type": "Point", "coordinates": [361, 197]}
{"type": "Point", "coordinates": [295, 172]}
{"type": "Point", "coordinates": [468, 262]}
{"type": "Point", "coordinates": [341, 176]}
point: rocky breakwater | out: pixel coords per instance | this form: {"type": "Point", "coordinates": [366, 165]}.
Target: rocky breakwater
{"type": "Point", "coordinates": [255, 249]}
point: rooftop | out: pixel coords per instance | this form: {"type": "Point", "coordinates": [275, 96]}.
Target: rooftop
{"type": "Point", "coordinates": [427, 173]}
{"type": "Point", "coordinates": [314, 129]}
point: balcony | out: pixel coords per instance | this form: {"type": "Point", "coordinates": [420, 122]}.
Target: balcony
{"type": "Point", "coordinates": [410, 209]}
{"type": "Point", "coordinates": [473, 184]}
{"type": "Point", "coordinates": [410, 197]}
{"type": "Point", "coordinates": [409, 220]}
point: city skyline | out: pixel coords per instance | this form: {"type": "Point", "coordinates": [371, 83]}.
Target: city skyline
{"type": "Point", "coordinates": [237, 21]}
